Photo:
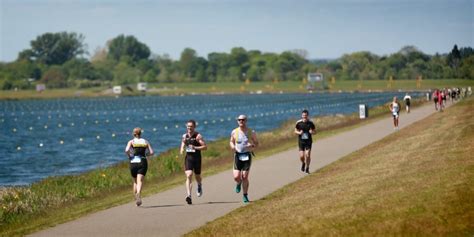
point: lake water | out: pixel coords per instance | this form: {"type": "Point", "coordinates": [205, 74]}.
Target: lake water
{"type": "Point", "coordinates": [42, 138]}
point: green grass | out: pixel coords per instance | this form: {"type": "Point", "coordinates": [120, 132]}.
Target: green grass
{"type": "Point", "coordinates": [237, 87]}
{"type": "Point", "coordinates": [59, 199]}
{"type": "Point", "coordinates": [415, 182]}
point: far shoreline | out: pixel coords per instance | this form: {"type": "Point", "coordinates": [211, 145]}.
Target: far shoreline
{"type": "Point", "coordinates": [233, 88]}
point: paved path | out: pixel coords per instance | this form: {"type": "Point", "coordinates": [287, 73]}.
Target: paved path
{"type": "Point", "coordinates": [166, 214]}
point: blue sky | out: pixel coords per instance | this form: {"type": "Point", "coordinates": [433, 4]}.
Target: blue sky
{"type": "Point", "coordinates": [325, 28]}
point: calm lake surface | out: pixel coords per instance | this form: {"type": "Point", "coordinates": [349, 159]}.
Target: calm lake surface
{"type": "Point", "coordinates": [42, 138]}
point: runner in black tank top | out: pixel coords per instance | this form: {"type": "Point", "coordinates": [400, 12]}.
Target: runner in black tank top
{"type": "Point", "coordinates": [192, 143]}
{"type": "Point", "coordinates": [304, 128]}
{"type": "Point", "coordinates": [136, 153]}
{"type": "Point", "coordinates": [193, 156]}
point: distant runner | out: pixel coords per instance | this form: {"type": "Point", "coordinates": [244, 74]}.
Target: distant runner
{"type": "Point", "coordinates": [407, 100]}
{"type": "Point", "coordinates": [395, 110]}
{"type": "Point", "coordinates": [193, 143]}
{"type": "Point", "coordinates": [435, 99]}
{"type": "Point", "coordinates": [440, 100]}
{"type": "Point", "coordinates": [443, 98]}
{"type": "Point", "coordinates": [243, 141]}
{"type": "Point", "coordinates": [305, 129]}
{"type": "Point", "coordinates": [136, 153]}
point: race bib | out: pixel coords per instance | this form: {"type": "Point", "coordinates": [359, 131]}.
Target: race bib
{"type": "Point", "coordinates": [189, 149]}
{"type": "Point", "coordinates": [244, 157]}
{"type": "Point", "coordinates": [304, 136]}
{"type": "Point", "coordinates": [136, 159]}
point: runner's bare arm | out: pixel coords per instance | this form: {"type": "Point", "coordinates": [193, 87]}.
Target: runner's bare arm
{"type": "Point", "coordinates": [201, 142]}
{"type": "Point", "coordinates": [127, 149]}
{"type": "Point", "coordinates": [150, 149]}
{"type": "Point", "coordinates": [181, 149]}
{"type": "Point", "coordinates": [232, 142]}
{"type": "Point", "coordinates": [254, 140]}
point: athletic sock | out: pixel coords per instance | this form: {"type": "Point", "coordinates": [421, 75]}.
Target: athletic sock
{"type": "Point", "coordinates": [245, 198]}
{"type": "Point", "coordinates": [199, 190]}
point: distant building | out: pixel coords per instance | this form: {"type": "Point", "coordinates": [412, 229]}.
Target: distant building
{"type": "Point", "coordinates": [141, 86]}
{"type": "Point", "coordinates": [117, 90]}
{"type": "Point", "coordinates": [40, 87]}
{"type": "Point", "coordinates": [315, 77]}
{"type": "Point", "coordinates": [315, 81]}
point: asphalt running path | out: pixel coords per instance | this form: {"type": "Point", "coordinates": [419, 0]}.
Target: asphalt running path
{"type": "Point", "coordinates": [167, 214]}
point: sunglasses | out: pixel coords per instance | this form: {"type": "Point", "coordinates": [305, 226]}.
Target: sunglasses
{"type": "Point", "coordinates": [241, 119]}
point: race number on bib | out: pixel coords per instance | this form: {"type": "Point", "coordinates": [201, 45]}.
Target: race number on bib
{"type": "Point", "coordinates": [136, 159]}
{"type": "Point", "coordinates": [304, 136]}
{"type": "Point", "coordinates": [189, 149]}
{"type": "Point", "coordinates": [244, 157]}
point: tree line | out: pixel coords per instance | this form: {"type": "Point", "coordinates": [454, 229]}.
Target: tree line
{"type": "Point", "coordinates": [59, 60]}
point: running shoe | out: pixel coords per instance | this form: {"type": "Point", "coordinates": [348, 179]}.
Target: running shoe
{"type": "Point", "coordinates": [302, 167]}
{"type": "Point", "coordinates": [138, 200]}
{"type": "Point", "coordinates": [307, 170]}
{"type": "Point", "coordinates": [245, 198]}
{"type": "Point", "coordinates": [188, 200]}
{"type": "Point", "coordinates": [199, 190]}
{"type": "Point", "coordinates": [237, 187]}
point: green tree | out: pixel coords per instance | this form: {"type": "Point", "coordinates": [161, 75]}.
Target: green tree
{"type": "Point", "coordinates": [454, 60]}
{"type": "Point", "coordinates": [54, 48]}
{"type": "Point", "coordinates": [125, 74]}
{"type": "Point", "coordinates": [356, 63]}
{"type": "Point", "coordinates": [201, 67]}
{"type": "Point", "coordinates": [467, 68]}
{"type": "Point", "coordinates": [127, 47]}
{"type": "Point", "coordinates": [54, 77]}
{"type": "Point", "coordinates": [150, 76]}
{"type": "Point", "coordinates": [188, 62]}
{"type": "Point", "coordinates": [218, 64]}
{"type": "Point", "coordinates": [79, 69]}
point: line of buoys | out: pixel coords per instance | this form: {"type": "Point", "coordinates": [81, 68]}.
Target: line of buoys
{"type": "Point", "coordinates": [205, 122]}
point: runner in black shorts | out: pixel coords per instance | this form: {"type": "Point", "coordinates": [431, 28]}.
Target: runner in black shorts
{"type": "Point", "coordinates": [192, 143]}
{"type": "Point", "coordinates": [243, 141]}
{"type": "Point", "coordinates": [305, 129]}
{"type": "Point", "coordinates": [407, 100]}
{"type": "Point", "coordinates": [136, 153]}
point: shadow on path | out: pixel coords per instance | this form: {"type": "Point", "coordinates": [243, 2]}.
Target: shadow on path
{"type": "Point", "coordinates": [178, 205]}
{"type": "Point", "coordinates": [158, 206]}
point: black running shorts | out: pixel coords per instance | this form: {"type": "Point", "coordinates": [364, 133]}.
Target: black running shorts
{"type": "Point", "coordinates": [193, 163]}
{"type": "Point", "coordinates": [139, 168]}
{"type": "Point", "coordinates": [242, 165]}
{"type": "Point", "coordinates": [304, 145]}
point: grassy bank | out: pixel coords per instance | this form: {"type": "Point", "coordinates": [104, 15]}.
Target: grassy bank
{"type": "Point", "coordinates": [415, 182]}
{"type": "Point", "coordinates": [59, 199]}
{"type": "Point", "coordinates": [237, 87]}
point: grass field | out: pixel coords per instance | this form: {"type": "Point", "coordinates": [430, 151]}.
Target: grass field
{"type": "Point", "coordinates": [238, 87]}
{"type": "Point", "coordinates": [60, 199]}
{"type": "Point", "coordinates": [415, 182]}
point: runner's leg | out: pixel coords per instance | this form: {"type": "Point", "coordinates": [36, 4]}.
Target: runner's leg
{"type": "Point", "coordinates": [189, 181]}
{"type": "Point", "coordinates": [238, 176]}
{"type": "Point", "coordinates": [302, 159]}
{"type": "Point", "coordinates": [245, 181]}
{"type": "Point", "coordinates": [134, 185]}
{"type": "Point", "coordinates": [307, 159]}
